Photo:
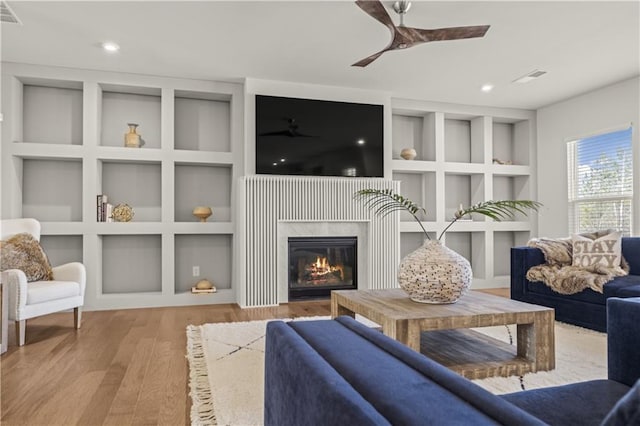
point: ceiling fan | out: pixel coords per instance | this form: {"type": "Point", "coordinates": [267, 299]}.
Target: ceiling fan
{"type": "Point", "coordinates": [404, 37]}
{"type": "Point", "coordinates": [291, 131]}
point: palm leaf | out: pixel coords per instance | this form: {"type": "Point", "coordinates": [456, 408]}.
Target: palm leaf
{"type": "Point", "coordinates": [496, 210]}
{"type": "Point", "coordinates": [383, 202]}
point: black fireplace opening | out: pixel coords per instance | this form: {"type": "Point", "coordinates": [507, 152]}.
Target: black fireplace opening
{"type": "Point", "coordinates": [318, 265]}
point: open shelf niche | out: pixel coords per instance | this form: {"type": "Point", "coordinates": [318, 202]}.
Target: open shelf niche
{"type": "Point", "coordinates": [121, 105]}
{"type": "Point", "coordinates": [52, 112]}
{"type": "Point", "coordinates": [210, 253]}
{"type": "Point", "coordinates": [62, 249]}
{"type": "Point", "coordinates": [202, 122]}
{"type": "Point", "coordinates": [511, 142]}
{"type": "Point", "coordinates": [131, 264]}
{"type": "Point", "coordinates": [52, 200]}
{"type": "Point", "coordinates": [502, 243]}
{"type": "Point", "coordinates": [202, 185]}
{"type": "Point", "coordinates": [462, 141]}
{"type": "Point", "coordinates": [464, 190]}
{"type": "Point", "coordinates": [63, 144]}
{"type": "Point", "coordinates": [421, 189]}
{"type": "Point", "coordinates": [470, 245]}
{"type": "Point", "coordinates": [136, 184]}
{"type": "Point", "coordinates": [413, 132]}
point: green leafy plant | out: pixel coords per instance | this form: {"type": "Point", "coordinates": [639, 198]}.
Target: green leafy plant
{"type": "Point", "coordinates": [384, 201]}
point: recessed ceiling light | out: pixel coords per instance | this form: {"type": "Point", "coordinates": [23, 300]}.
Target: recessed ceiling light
{"type": "Point", "coordinates": [282, 160]}
{"type": "Point", "coordinates": [110, 46]}
{"type": "Point", "coordinates": [275, 164]}
{"type": "Point", "coordinates": [361, 141]}
{"type": "Point", "coordinates": [486, 88]}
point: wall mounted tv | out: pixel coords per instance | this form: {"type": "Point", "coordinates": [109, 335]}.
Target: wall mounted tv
{"type": "Point", "coordinates": [318, 138]}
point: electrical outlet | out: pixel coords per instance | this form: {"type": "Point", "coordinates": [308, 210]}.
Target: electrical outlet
{"type": "Point", "coordinates": [196, 271]}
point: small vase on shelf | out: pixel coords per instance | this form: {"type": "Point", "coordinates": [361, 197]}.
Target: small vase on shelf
{"type": "Point", "coordinates": [202, 213]}
{"type": "Point", "coordinates": [132, 139]}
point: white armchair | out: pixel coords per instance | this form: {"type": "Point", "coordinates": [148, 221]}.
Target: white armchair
{"type": "Point", "coordinates": [33, 299]}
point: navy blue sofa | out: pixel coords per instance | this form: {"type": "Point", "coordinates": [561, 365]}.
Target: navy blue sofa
{"type": "Point", "coordinates": [586, 308]}
{"type": "Point", "coordinates": [340, 372]}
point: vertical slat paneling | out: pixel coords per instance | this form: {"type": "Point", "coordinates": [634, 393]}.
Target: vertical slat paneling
{"type": "Point", "coordinates": [270, 199]}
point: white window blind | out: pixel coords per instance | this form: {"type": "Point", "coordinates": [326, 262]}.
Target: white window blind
{"type": "Point", "coordinates": [601, 182]}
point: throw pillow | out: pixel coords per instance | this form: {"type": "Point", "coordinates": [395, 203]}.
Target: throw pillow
{"type": "Point", "coordinates": [627, 411]}
{"type": "Point", "coordinates": [23, 251]}
{"type": "Point", "coordinates": [604, 251]}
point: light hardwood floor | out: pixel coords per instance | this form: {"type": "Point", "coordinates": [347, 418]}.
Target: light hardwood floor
{"type": "Point", "coordinates": [123, 367]}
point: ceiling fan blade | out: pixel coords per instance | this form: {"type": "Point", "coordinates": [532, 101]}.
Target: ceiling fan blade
{"type": "Point", "coordinates": [288, 134]}
{"type": "Point", "coordinates": [277, 133]}
{"type": "Point", "coordinates": [366, 61]}
{"type": "Point", "coordinates": [377, 11]}
{"type": "Point", "coordinates": [452, 33]}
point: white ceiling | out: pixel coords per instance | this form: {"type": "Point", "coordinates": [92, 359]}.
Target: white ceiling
{"type": "Point", "coordinates": [582, 45]}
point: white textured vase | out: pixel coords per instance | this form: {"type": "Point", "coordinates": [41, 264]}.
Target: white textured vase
{"type": "Point", "coordinates": [434, 274]}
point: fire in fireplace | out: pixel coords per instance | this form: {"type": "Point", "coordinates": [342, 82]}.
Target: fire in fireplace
{"type": "Point", "coordinates": [318, 265]}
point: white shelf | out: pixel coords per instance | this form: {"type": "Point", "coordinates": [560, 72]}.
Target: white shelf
{"type": "Point", "coordinates": [509, 170]}
{"type": "Point", "coordinates": [412, 226]}
{"type": "Point", "coordinates": [65, 139]}
{"type": "Point", "coordinates": [203, 228]}
{"type": "Point", "coordinates": [123, 105]}
{"type": "Point", "coordinates": [465, 168]}
{"type": "Point", "coordinates": [133, 155]}
{"type": "Point", "coordinates": [416, 166]}
{"type": "Point", "coordinates": [131, 264]}
{"type": "Point", "coordinates": [211, 254]}
{"type": "Point", "coordinates": [62, 249]}
{"type": "Point", "coordinates": [62, 228]}
{"type": "Point", "coordinates": [52, 114]}
{"type": "Point", "coordinates": [128, 228]}
{"type": "Point", "coordinates": [196, 157]}
{"type": "Point", "coordinates": [464, 140]}
{"type": "Point", "coordinates": [48, 199]}
{"type": "Point", "coordinates": [47, 151]}
{"type": "Point", "coordinates": [202, 185]}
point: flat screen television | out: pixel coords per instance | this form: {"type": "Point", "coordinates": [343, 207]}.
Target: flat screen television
{"type": "Point", "coordinates": [318, 138]}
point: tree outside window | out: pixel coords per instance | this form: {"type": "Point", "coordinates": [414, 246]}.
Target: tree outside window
{"type": "Point", "coordinates": [601, 182]}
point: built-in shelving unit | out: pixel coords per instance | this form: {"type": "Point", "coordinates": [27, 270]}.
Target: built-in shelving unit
{"type": "Point", "coordinates": [465, 155]}
{"type": "Point", "coordinates": [63, 144]}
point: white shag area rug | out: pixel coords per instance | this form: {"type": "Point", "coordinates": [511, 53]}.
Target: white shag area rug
{"type": "Point", "coordinates": [227, 368]}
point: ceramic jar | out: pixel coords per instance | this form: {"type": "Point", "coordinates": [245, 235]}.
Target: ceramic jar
{"type": "Point", "coordinates": [408, 153]}
{"type": "Point", "coordinates": [434, 274]}
{"type": "Point", "coordinates": [132, 139]}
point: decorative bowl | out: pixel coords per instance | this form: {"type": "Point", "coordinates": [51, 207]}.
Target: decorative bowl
{"type": "Point", "coordinates": [408, 153]}
{"type": "Point", "coordinates": [122, 213]}
{"type": "Point", "coordinates": [202, 212]}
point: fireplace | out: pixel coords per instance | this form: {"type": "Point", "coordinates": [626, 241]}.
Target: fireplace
{"type": "Point", "coordinates": [318, 265]}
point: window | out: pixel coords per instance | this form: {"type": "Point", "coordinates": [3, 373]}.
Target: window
{"type": "Point", "coordinates": [600, 182]}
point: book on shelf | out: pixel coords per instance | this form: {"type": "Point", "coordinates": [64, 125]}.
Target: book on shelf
{"type": "Point", "coordinates": [108, 213]}
{"type": "Point", "coordinates": [102, 206]}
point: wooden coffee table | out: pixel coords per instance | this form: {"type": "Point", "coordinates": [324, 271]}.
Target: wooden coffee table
{"type": "Point", "coordinates": [442, 332]}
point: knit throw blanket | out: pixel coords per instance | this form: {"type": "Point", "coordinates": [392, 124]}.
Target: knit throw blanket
{"type": "Point", "coordinates": [559, 274]}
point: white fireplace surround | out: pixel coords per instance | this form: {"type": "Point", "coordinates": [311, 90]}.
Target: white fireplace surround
{"type": "Point", "coordinates": [278, 207]}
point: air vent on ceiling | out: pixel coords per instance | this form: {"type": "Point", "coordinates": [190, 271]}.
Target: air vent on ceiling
{"type": "Point", "coordinates": [530, 76]}
{"type": "Point", "coordinates": [7, 15]}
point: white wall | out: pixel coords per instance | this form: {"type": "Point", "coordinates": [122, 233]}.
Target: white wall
{"type": "Point", "coordinates": [595, 112]}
